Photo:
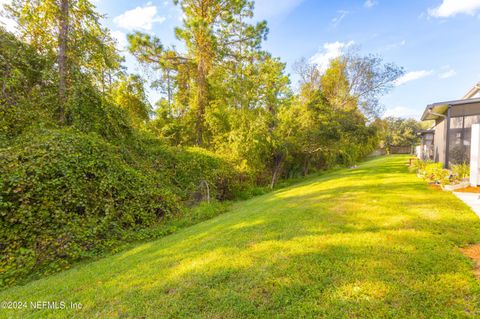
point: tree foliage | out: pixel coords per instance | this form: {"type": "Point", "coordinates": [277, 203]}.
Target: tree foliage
{"type": "Point", "coordinates": [395, 131]}
{"type": "Point", "coordinates": [70, 31]}
{"type": "Point", "coordinates": [128, 93]}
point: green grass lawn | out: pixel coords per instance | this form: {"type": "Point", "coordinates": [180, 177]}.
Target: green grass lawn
{"type": "Point", "coordinates": [371, 242]}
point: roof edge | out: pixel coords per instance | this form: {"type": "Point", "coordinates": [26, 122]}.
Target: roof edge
{"type": "Point", "coordinates": [474, 90]}
{"type": "Point", "coordinates": [430, 107]}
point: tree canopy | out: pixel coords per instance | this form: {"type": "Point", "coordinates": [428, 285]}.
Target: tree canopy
{"type": "Point", "coordinates": [395, 131]}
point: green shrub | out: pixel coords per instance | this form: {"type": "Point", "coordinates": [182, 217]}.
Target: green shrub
{"type": "Point", "coordinates": [461, 171]}
{"type": "Point", "coordinates": [27, 95]}
{"type": "Point", "coordinates": [65, 195]}
{"type": "Point", "coordinates": [250, 192]}
{"type": "Point", "coordinates": [186, 170]}
{"type": "Point", "coordinates": [434, 172]}
{"type": "Point", "coordinates": [419, 166]}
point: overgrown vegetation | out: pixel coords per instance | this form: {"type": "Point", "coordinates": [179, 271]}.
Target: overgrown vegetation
{"type": "Point", "coordinates": [86, 161]}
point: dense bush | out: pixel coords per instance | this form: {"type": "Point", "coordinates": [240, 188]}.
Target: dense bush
{"type": "Point", "coordinates": [27, 87]}
{"type": "Point", "coordinates": [435, 172]}
{"type": "Point", "coordinates": [186, 169]}
{"type": "Point", "coordinates": [419, 166]}
{"type": "Point", "coordinates": [64, 194]}
{"type": "Point", "coordinates": [461, 171]}
{"type": "Point", "coordinates": [194, 166]}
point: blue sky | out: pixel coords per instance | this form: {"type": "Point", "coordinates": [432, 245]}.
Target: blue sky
{"type": "Point", "coordinates": [434, 40]}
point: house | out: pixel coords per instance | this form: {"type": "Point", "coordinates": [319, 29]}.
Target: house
{"type": "Point", "coordinates": [452, 131]}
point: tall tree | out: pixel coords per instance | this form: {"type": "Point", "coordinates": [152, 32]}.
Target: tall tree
{"type": "Point", "coordinates": [71, 31]}
{"type": "Point", "coordinates": [62, 55]}
{"type": "Point", "coordinates": [209, 40]}
{"type": "Point", "coordinates": [352, 79]}
{"type": "Point", "coordinates": [198, 34]}
{"type": "Point", "coordinates": [174, 68]}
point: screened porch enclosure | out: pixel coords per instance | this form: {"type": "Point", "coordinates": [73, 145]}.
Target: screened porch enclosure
{"type": "Point", "coordinates": [460, 134]}
{"type": "Point", "coordinates": [453, 129]}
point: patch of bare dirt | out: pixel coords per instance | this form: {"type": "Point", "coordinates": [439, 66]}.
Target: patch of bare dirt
{"type": "Point", "coordinates": [473, 252]}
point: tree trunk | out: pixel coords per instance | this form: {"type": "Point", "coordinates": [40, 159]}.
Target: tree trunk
{"type": "Point", "coordinates": [201, 100]}
{"type": "Point", "coordinates": [62, 57]}
{"type": "Point", "coordinates": [306, 165]}
{"type": "Point", "coordinates": [169, 87]}
{"type": "Point", "coordinates": [278, 158]}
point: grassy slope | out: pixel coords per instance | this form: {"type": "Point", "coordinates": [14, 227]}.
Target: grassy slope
{"type": "Point", "coordinates": [369, 242]}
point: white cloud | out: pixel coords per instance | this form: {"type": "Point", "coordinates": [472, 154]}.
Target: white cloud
{"type": "Point", "coordinates": [447, 72]}
{"type": "Point", "coordinates": [402, 111]}
{"type": "Point", "coordinates": [412, 76]}
{"type": "Point", "coordinates": [139, 18]}
{"type": "Point", "coordinates": [121, 39]}
{"type": "Point", "coordinates": [341, 15]}
{"type": "Point", "coordinates": [265, 9]}
{"type": "Point", "coordinates": [328, 52]}
{"type": "Point", "coordinates": [369, 3]}
{"type": "Point", "coordinates": [450, 8]}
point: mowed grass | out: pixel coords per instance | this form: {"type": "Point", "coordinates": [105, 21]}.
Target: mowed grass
{"type": "Point", "coordinates": [371, 242]}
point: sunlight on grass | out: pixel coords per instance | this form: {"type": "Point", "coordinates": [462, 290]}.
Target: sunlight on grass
{"type": "Point", "coordinates": [366, 290]}
{"type": "Point", "coordinates": [369, 242]}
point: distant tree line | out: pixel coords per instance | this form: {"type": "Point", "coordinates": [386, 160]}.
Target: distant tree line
{"type": "Point", "coordinates": [397, 132]}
